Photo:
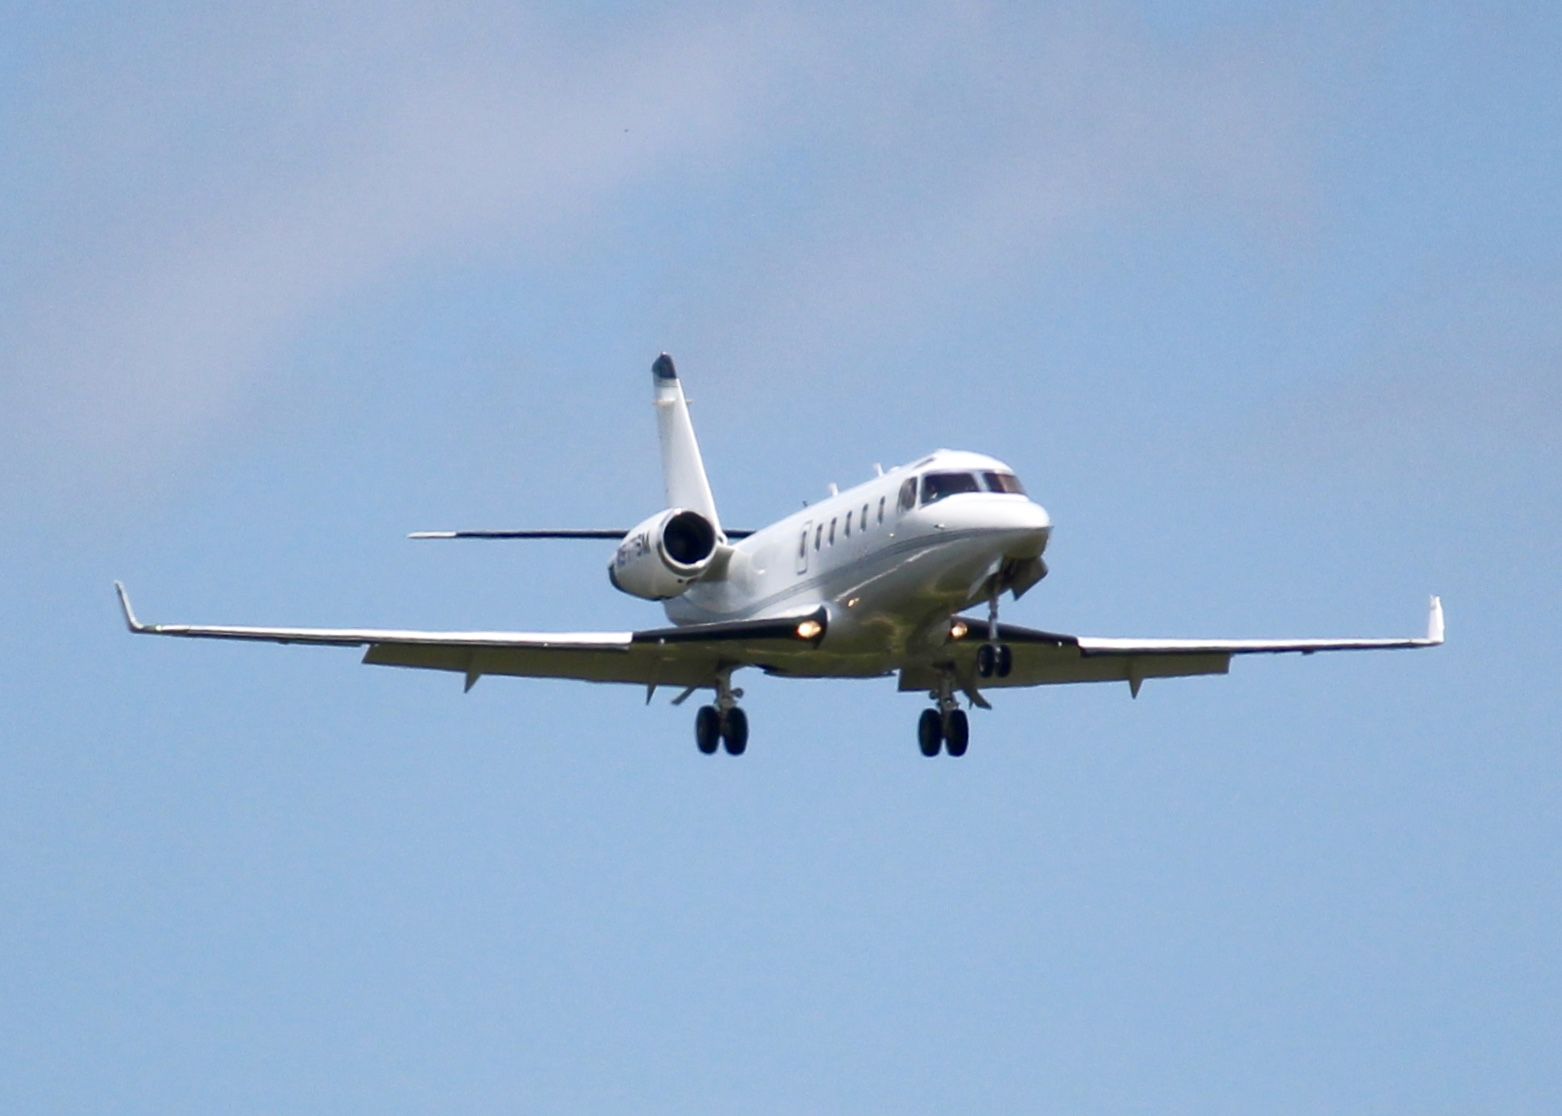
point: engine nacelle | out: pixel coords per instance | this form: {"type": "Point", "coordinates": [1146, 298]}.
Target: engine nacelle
{"type": "Point", "coordinates": [663, 556]}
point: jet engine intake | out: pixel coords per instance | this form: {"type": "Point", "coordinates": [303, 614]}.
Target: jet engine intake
{"type": "Point", "coordinates": [663, 556]}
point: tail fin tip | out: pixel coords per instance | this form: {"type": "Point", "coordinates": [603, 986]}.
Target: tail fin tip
{"type": "Point", "coordinates": [664, 369]}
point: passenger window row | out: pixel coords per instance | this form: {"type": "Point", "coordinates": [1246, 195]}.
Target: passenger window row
{"type": "Point", "coordinates": [824, 536]}
{"type": "Point", "coordinates": [932, 487]}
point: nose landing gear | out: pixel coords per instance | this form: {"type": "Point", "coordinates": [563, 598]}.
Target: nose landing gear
{"type": "Point", "coordinates": [994, 659]}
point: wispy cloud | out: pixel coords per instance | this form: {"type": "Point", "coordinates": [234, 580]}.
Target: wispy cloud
{"type": "Point", "coordinates": [975, 149]}
{"type": "Point", "coordinates": [210, 187]}
{"type": "Point", "coordinates": [241, 205]}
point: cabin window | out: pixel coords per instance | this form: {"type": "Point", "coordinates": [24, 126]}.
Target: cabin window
{"type": "Point", "coordinates": [865, 517]}
{"type": "Point", "coordinates": [881, 509]}
{"type": "Point", "coordinates": [832, 532]}
{"type": "Point", "coordinates": [848, 525]}
{"type": "Point", "coordinates": [938, 486]}
{"type": "Point", "coordinates": [802, 545]}
{"type": "Point", "coordinates": [819, 536]}
{"type": "Point", "coordinates": [908, 495]}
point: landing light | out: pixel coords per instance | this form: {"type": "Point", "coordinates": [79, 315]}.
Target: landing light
{"type": "Point", "coordinates": [810, 629]}
{"type": "Point", "coordinates": [958, 630]}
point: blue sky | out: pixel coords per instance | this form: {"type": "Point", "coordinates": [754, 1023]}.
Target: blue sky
{"type": "Point", "coordinates": [1265, 306]}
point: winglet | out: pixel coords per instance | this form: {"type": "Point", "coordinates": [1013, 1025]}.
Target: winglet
{"type": "Point", "coordinates": [130, 616]}
{"type": "Point", "coordinates": [1434, 622]}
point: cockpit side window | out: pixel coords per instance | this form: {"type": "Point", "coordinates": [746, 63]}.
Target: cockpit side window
{"type": "Point", "coordinates": [937, 486]}
{"type": "Point", "coordinates": [908, 495]}
{"type": "Point", "coordinates": [1003, 482]}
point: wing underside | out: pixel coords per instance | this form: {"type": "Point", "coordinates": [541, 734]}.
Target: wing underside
{"type": "Point", "coordinates": [1048, 658]}
{"type": "Point", "coordinates": [684, 656]}
{"type": "Point", "coordinates": [696, 655]}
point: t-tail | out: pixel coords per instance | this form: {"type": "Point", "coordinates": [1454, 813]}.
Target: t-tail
{"type": "Point", "coordinates": [683, 470]}
{"type": "Point", "coordinates": [661, 557]}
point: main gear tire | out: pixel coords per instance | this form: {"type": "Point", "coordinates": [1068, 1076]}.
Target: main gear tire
{"type": "Point", "coordinates": [930, 732]}
{"type": "Point", "coordinates": [957, 732]}
{"type": "Point", "coordinates": [734, 731]}
{"type": "Point", "coordinates": [707, 729]}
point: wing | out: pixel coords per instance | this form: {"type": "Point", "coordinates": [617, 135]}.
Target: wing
{"type": "Point", "coordinates": [686, 656]}
{"type": "Point", "coordinates": [1047, 658]}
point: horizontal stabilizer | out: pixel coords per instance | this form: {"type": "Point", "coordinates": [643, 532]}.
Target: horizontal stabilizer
{"type": "Point", "coordinates": [612, 534]}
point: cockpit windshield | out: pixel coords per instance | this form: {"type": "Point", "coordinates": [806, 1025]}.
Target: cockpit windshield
{"type": "Point", "coordinates": [936, 486]}
{"type": "Point", "coordinates": [1003, 482]}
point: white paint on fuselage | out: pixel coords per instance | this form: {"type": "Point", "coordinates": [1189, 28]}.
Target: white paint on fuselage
{"type": "Point", "coordinates": [890, 585]}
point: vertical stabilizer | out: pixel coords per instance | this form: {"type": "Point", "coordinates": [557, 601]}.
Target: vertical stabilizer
{"type": "Point", "coordinates": [683, 471]}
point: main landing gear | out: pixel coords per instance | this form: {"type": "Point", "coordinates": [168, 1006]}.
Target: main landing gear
{"type": "Point", "coordinates": [950, 729]}
{"type": "Point", "coordinates": [946, 727]}
{"type": "Point", "coordinates": [712, 729]}
{"type": "Point", "coordinates": [723, 723]}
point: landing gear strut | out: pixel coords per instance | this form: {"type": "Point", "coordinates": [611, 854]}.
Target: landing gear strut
{"type": "Point", "coordinates": [723, 723]}
{"type": "Point", "coordinates": [946, 726]}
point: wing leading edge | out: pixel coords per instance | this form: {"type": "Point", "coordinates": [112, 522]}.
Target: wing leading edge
{"type": "Point", "coordinates": [686, 656]}
{"type": "Point", "coordinates": [695, 655]}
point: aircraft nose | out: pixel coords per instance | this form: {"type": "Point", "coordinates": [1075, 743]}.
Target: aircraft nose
{"type": "Point", "coordinates": [1029, 526]}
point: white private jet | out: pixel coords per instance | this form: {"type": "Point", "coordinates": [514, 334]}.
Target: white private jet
{"type": "Point", "coordinates": [870, 582]}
